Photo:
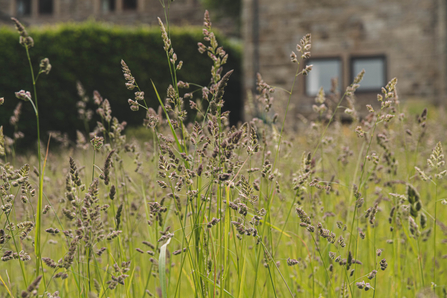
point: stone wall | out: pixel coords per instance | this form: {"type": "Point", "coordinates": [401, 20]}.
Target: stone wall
{"type": "Point", "coordinates": [147, 11]}
{"type": "Point", "coordinates": [410, 34]}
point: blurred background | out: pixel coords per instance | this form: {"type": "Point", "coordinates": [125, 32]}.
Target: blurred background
{"type": "Point", "coordinates": [393, 38]}
{"type": "Point", "coordinates": [85, 41]}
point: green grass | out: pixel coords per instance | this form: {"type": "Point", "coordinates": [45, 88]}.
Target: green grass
{"type": "Point", "coordinates": [208, 210]}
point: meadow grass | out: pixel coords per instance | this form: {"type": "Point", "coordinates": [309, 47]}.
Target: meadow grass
{"type": "Point", "coordinates": [203, 209]}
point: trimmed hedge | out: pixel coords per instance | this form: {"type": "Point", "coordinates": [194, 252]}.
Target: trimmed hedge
{"type": "Point", "coordinates": [91, 53]}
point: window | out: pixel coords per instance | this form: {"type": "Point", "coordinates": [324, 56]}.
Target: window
{"type": "Point", "coordinates": [129, 4]}
{"type": "Point", "coordinates": [375, 72]}
{"type": "Point", "coordinates": [45, 6]}
{"type": "Point", "coordinates": [323, 70]}
{"type": "Point", "coordinates": [23, 7]}
{"type": "Point", "coordinates": [107, 5]}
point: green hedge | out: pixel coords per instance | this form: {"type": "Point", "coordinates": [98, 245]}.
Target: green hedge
{"type": "Point", "coordinates": [91, 53]}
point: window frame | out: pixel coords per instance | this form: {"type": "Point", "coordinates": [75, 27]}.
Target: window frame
{"type": "Point", "coordinates": [369, 57]}
{"type": "Point", "coordinates": [112, 7]}
{"type": "Point", "coordinates": [324, 58]}
{"type": "Point", "coordinates": [17, 4]}
{"type": "Point", "coordinates": [41, 7]}
{"type": "Point", "coordinates": [124, 8]}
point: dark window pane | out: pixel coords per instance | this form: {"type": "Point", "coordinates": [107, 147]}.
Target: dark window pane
{"type": "Point", "coordinates": [374, 78]}
{"type": "Point", "coordinates": [45, 6]}
{"type": "Point", "coordinates": [23, 7]}
{"type": "Point", "coordinates": [129, 4]}
{"type": "Point", "coordinates": [322, 72]}
{"type": "Point", "coordinates": [108, 5]}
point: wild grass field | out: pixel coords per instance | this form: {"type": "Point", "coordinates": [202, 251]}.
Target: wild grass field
{"type": "Point", "coordinates": [203, 209]}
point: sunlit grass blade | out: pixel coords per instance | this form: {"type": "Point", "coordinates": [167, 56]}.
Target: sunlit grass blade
{"type": "Point", "coordinates": [191, 283]}
{"type": "Point", "coordinates": [217, 286]}
{"type": "Point", "coordinates": [162, 269]}
{"type": "Point", "coordinates": [7, 289]}
{"type": "Point", "coordinates": [276, 228]}
{"type": "Point", "coordinates": [242, 282]}
{"type": "Point", "coordinates": [227, 233]}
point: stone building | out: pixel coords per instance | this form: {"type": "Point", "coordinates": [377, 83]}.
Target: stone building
{"type": "Point", "coordinates": [388, 38]}
{"type": "Point", "coordinates": [406, 39]}
{"type": "Point", "coordinates": [129, 12]}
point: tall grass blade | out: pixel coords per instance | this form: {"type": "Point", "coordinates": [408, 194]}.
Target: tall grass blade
{"type": "Point", "coordinates": [162, 268]}
{"type": "Point", "coordinates": [242, 283]}
{"type": "Point", "coordinates": [217, 286]}
{"type": "Point", "coordinates": [7, 289]}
